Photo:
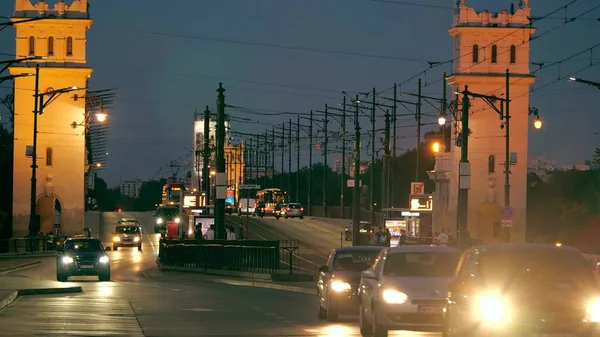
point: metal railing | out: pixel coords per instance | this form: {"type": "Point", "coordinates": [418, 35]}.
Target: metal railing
{"type": "Point", "coordinates": [243, 255]}
{"type": "Point", "coordinates": [26, 245]}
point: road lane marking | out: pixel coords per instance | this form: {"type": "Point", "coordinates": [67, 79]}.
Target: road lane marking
{"type": "Point", "coordinates": [199, 309]}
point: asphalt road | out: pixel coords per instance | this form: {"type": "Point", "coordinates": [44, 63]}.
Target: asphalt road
{"type": "Point", "coordinates": [132, 305]}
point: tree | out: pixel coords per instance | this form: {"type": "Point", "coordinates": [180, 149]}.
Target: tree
{"type": "Point", "coordinates": [6, 182]}
{"type": "Point", "coordinates": [150, 195]}
{"type": "Point", "coordinates": [596, 158]}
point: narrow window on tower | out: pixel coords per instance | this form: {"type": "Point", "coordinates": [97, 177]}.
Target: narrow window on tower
{"type": "Point", "coordinates": [513, 54]}
{"type": "Point", "coordinates": [48, 156]}
{"type": "Point", "coordinates": [491, 164]}
{"type": "Point", "coordinates": [494, 54]}
{"type": "Point", "coordinates": [31, 45]}
{"type": "Point", "coordinates": [475, 53]}
{"type": "Point", "coordinates": [69, 46]}
{"type": "Point", "coordinates": [50, 46]}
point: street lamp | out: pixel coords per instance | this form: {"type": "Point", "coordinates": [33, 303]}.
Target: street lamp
{"type": "Point", "coordinates": [101, 117]}
{"type": "Point", "coordinates": [9, 63]}
{"type": "Point", "coordinates": [590, 83]}
{"type": "Point", "coordinates": [436, 147]}
{"type": "Point", "coordinates": [10, 77]}
{"type": "Point", "coordinates": [537, 123]}
{"type": "Point", "coordinates": [442, 120]}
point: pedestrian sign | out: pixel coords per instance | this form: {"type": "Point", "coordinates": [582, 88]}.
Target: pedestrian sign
{"type": "Point", "coordinates": [507, 212]}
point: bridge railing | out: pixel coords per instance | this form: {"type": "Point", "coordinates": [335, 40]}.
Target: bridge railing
{"type": "Point", "coordinates": [244, 256]}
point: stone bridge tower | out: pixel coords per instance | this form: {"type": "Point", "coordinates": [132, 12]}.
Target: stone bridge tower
{"type": "Point", "coordinates": [60, 37]}
{"type": "Point", "coordinates": [485, 46]}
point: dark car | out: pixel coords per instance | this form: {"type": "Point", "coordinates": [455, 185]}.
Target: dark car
{"type": "Point", "coordinates": [165, 214]}
{"type": "Point", "coordinates": [82, 257]}
{"type": "Point", "coordinates": [522, 290]}
{"type": "Point", "coordinates": [337, 287]}
{"type": "Point", "coordinates": [259, 210]}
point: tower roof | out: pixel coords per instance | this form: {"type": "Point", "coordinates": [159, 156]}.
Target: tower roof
{"type": "Point", "coordinates": [79, 9]}
{"type": "Point", "coordinates": [467, 16]}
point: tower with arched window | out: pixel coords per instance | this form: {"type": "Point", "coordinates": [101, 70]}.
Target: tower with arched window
{"type": "Point", "coordinates": [486, 45]}
{"type": "Point", "coordinates": [60, 38]}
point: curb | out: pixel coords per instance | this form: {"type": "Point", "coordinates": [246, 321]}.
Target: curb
{"type": "Point", "coordinates": [19, 266]}
{"type": "Point", "coordinates": [26, 255]}
{"type": "Point", "coordinates": [37, 291]}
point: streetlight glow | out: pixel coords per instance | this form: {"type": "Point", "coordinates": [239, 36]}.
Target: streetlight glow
{"type": "Point", "coordinates": [435, 147]}
{"type": "Point", "coordinates": [442, 120]}
{"type": "Point", "coordinates": [98, 164]}
{"type": "Point", "coordinates": [537, 123]}
{"type": "Point", "coordinates": [572, 79]}
{"type": "Point", "coordinates": [101, 117]}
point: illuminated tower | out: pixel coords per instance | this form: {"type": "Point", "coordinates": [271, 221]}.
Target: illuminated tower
{"type": "Point", "coordinates": [60, 37]}
{"type": "Point", "coordinates": [485, 46]}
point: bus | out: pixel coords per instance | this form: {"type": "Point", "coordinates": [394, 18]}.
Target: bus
{"type": "Point", "coordinates": [270, 197]}
{"type": "Point", "coordinates": [172, 194]}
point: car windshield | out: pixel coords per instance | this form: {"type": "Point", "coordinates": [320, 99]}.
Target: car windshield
{"type": "Point", "coordinates": [83, 246]}
{"type": "Point", "coordinates": [295, 206]}
{"type": "Point", "coordinates": [128, 230]}
{"type": "Point", "coordinates": [536, 269]}
{"type": "Point", "coordinates": [167, 212]}
{"type": "Point", "coordinates": [421, 264]}
{"type": "Point", "coordinates": [354, 261]}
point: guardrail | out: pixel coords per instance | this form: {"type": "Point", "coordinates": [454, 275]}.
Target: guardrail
{"type": "Point", "coordinates": [26, 245]}
{"type": "Point", "coordinates": [243, 255]}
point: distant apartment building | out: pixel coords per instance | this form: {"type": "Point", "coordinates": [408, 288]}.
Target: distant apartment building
{"type": "Point", "coordinates": [541, 166]}
{"type": "Point", "coordinates": [364, 166]}
{"type": "Point", "coordinates": [131, 188]}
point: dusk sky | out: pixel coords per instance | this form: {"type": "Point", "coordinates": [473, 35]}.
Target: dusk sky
{"type": "Point", "coordinates": [298, 55]}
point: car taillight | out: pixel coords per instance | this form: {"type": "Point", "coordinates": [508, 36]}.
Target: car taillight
{"type": "Point", "coordinates": [301, 209]}
{"type": "Point", "coordinates": [288, 209]}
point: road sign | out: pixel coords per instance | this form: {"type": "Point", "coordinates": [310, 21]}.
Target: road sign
{"type": "Point", "coordinates": [249, 187]}
{"type": "Point", "coordinates": [506, 223]}
{"type": "Point", "coordinates": [507, 212]}
{"type": "Point", "coordinates": [417, 188]}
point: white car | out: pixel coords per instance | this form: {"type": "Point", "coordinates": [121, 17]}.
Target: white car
{"type": "Point", "coordinates": [406, 289]}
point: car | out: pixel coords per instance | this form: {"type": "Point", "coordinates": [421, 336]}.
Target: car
{"type": "Point", "coordinates": [292, 210]}
{"type": "Point", "coordinates": [337, 286]}
{"type": "Point", "coordinates": [127, 234]}
{"type": "Point", "coordinates": [522, 290]}
{"type": "Point", "coordinates": [128, 220]}
{"type": "Point", "coordinates": [163, 215]}
{"type": "Point", "coordinates": [405, 289]}
{"type": "Point", "coordinates": [82, 257]}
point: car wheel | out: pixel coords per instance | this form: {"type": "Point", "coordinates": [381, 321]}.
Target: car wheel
{"type": "Point", "coordinates": [332, 312]}
{"type": "Point", "coordinates": [365, 327]}
{"type": "Point", "coordinates": [104, 277]}
{"type": "Point", "coordinates": [115, 247]}
{"type": "Point", "coordinates": [140, 247]}
{"type": "Point", "coordinates": [378, 330]}
{"type": "Point", "coordinates": [61, 277]}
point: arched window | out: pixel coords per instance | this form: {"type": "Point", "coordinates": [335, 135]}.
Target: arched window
{"type": "Point", "coordinates": [48, 156]}
{"type": "Point", "coordinates": [31, 45]}
{"type": "Point", "coordinates": [513, 54]}
{"type": "Point", "coordinates": [50, 46]}
{"type": "Point", "coordinates": [491, 163]}
{"type": "Point", "coordinates": [69, 46]}
{"type": "Point", "coordinates": [494, 54]}
{"type": "Point", "coordinates": [475, 53]}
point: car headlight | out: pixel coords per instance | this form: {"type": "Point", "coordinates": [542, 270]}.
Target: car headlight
{"type": "Point", "coordinates": [177, 220]}
{"type": "Point", "coordinates": [136, 239]}
{"type": "Point", "coordinates": [394, 296]}
{"type": "Point", "coordinates": [159, 221]}
{"type": "Point", "coordinates": [593, 311]}
{"type": "Point", "coordinates": [103, 259]}
{"type": "Point", "coordinates": [340, 286]}
{"type": "Point", "coordinates": [491, 309]}
{"type": "Point", "coordinates": [67, 260]}
{"type": "Point", "coordinates": [116, 239]}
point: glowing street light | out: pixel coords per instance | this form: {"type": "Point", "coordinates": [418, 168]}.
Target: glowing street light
{"type": "Point", "coordinates": [101, 117]}
{"type": "Point", "coordinates": [98, 164]}
{"type": "Point", "coordinates": [436, 147]}
{"type": "Point", "coordinates": [442, 120]}
{"type": "Point", "coordinates": [537, 123]}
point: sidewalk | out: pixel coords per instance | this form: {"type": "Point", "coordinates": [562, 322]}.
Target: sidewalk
{"type": "Point", "coordinates": [12, 287]}
{"type": "Point", "coordinates": [10, 264]}
{"type": "Point", "coordinates": [297, 287]}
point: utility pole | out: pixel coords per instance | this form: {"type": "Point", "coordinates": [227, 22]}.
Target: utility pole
{"type": "Point", "coordinates": [298, 160]}
{"type": "Point", "coordinates": [325, 122]}
{"type": "Point", "coordinates": [464, 172]}
{"type": "Point", "coordinates": [251, 150]}
{"type": "Point", "coordinates": [206, 157]}
{"type": "Point", "coordinates": [289, 178]}
{"type": "Point", "coordinates": [392, 182]}
{"type": "Point", "coordinates": [343, 183]}
{"type": "Point", "coordinates": [34, 224]}
{"type": "Point", "coordinates": [246, 162]}
{"type": "Point", "coordinates": [272, 157]}
{"type": "Point", "coordinates": [266, 158]}
{"type": "Point", "coordinates": [507, 155]}
{"type": "Point", "coordinates": [386, 159]}
{"type": "Point", "coordinates": [372, 194]}
{"type": "Point", "coordinates": [221, 179]}
{"type": "Point", "coordinates": [444, 114]}
{"type": "Point", "coordinates": [257, 158]}
{"type": "Point", "coordinates": [282, 153]}
{"type": "Point", "coordinates": [310, 168]}
{"type": "Point", "coordinates": [418, 116]}
{"type": "Point", "coordinates": [356, 188]}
